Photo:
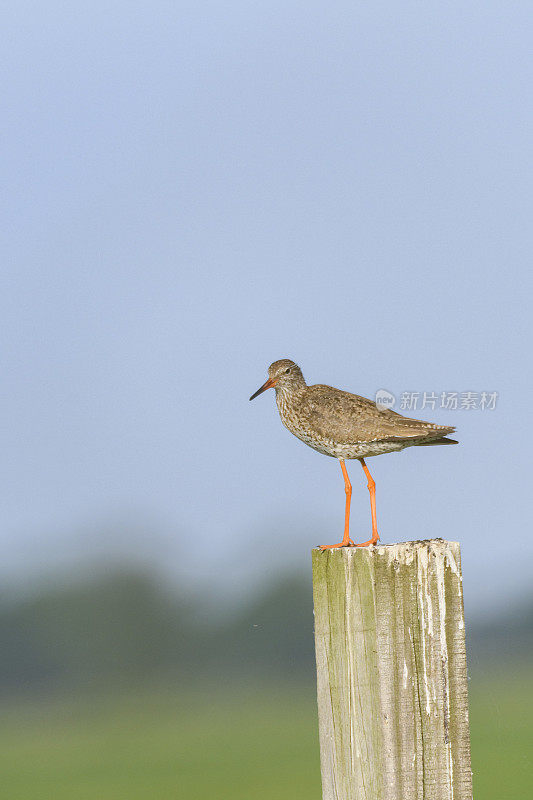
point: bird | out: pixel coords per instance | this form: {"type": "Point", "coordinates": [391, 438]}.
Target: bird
{"type": "Point", "coordinates": [345, 426]}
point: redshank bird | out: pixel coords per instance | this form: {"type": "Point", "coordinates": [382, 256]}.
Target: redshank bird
{"type": "Point", "coordinates": [344, 425]}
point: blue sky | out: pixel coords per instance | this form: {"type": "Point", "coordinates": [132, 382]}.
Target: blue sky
{"type": "Point", "coordinates": [191, 191]}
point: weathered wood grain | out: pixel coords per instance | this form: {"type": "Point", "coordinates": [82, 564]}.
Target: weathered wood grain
{"type": "Point", "coordinates": [391, 672]}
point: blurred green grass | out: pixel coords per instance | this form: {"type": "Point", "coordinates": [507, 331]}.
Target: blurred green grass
{"type": "Point", "coordinates": [252, 743]}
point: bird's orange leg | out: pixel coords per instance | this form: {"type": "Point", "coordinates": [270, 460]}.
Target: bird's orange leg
{"type": "Point", "coordinates": [372, 489]}
{"type": "Point", "coordinates": [346, 541]}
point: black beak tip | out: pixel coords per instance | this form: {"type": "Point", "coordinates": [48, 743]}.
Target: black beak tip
{"type": "Point", "coordinates": [268, 384]}
{"type": "Point", "coordinates": [259, 391]}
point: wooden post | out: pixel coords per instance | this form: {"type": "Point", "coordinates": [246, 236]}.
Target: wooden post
{"type": "Point", "coordinates": [391, 668]}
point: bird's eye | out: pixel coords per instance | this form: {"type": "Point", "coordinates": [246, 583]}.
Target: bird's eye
{"type": "Point", "coordinates": [287, 370]}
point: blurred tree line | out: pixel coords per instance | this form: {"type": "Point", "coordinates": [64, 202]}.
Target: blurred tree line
{"type": "Point", "coordinates": [128, 627]}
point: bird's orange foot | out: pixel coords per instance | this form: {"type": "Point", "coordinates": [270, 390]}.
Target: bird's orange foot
{"type": "Point", "coordinates": [344, 543]}
{"type": "Point", "coordinates": [373, 540]}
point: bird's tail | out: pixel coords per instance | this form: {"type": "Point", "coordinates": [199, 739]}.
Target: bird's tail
{"type": "Point", "coordinates": [444, 440]}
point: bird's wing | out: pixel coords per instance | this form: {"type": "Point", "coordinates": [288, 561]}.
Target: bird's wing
{"type": "Point", "coordinates": [349, 418]}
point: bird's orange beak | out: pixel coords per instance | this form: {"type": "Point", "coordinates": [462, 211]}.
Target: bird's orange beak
{"type": "Point", "coordinates": [267, 385]}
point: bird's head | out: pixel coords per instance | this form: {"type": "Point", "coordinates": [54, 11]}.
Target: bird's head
{"type": "Point", "coordinates": [283, 374]}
